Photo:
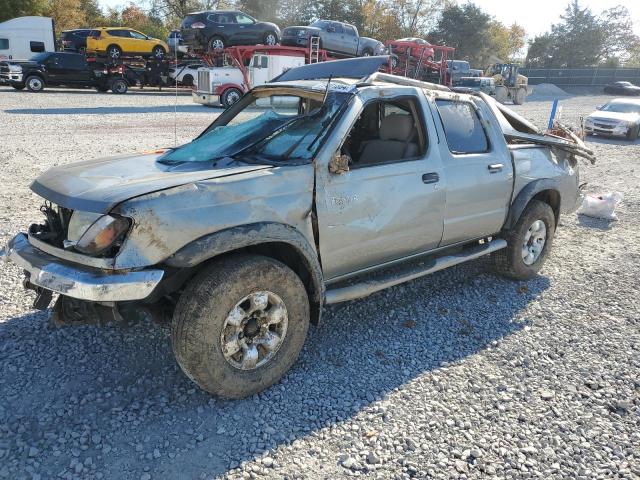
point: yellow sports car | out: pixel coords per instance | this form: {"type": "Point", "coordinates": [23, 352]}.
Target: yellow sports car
{"type": "Point", "coordinates": [118, 41]}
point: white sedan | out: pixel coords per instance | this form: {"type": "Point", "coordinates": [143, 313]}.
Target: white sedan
{"type": "Point", "coordinates": [618, 118]}
{"type": "Point", "coordinates": [185, 73]}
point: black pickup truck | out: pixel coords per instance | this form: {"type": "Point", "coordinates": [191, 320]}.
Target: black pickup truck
{"type": "Point", "coordinates": [55, 69]}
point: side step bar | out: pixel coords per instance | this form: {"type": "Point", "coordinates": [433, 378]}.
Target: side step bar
{"type": "Point", "coordinates": [372, 285]}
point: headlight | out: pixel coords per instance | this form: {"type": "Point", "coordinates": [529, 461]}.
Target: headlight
{"type": "Point", "coordinates": [588, 121]}
{"type": "Point", "coordinates": [92, 233]}
{"type": "Point", "coordinates": [15, 68]}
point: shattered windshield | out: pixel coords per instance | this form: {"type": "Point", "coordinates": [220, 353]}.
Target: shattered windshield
{"type": "Point", "coordinates": [271, 128]}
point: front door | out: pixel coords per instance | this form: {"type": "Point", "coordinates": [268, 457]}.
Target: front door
{"type": "Point", "coordinates": [248, 32]}
{"type": "Point", "coordinates": [478, 172]}
{"type": "Point", "coordinates": [390, 204]}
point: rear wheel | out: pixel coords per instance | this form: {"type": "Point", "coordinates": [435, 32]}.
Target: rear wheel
{"type": "Point", "coordinates": [158, 52]}
{"type": "Point", "coordinates": [528, 243]}
{"type": "Point", "coordinates": [230, 96]}
{"type": "Point", "coordinates": [270, 38]}
{"type": "Point", "coordinates": [34, 83]}
{"type": "Point", "coordinates": [114, 51]}
{"type": "Point", "coordinates": [240, 324]}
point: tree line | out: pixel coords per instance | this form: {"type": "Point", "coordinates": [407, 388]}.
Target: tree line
{"type": "Point", "coordinates": [585, 39]}
{"type": "Point", "coordinates": [581, 38]}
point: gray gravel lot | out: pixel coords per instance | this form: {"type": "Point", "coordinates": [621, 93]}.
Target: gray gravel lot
{"type": "Point", "coordinates": [459, 375]}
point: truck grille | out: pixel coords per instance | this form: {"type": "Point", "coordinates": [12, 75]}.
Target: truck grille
{"type": "Point", "coordinates": [204, 84]}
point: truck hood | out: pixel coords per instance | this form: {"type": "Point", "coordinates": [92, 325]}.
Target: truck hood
{"type": "Point", "coordinates": [24, 63]}
{"type": "Point", "coordinates": [618, 116]}
{"type": "Point", "coordinates": [99, 185]}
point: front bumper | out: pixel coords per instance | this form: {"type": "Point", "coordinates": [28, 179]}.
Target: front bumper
{"type": "Point", "coordinates": [205, 98]}
{"type": "Point", "coordinates": [608, 129]}
{"type": "Point", "coordinates": [294, 41]}
{"type": "Point", "coordinates": [11, 77]}
{"type": "Point", "coordinates": [79, 281]}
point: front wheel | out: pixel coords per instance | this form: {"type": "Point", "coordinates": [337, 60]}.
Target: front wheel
{"type": "Point", "coordinates": [367, 52]}
{"type": "Point", "coordinates": [633, 134]}
{"type": "Point", "coordinates": [240, 324]}
{"type": "Point", "coordinates": [230, 96]}
{"type": "Point", "coordinates": [34, 83]}
{"type": "Point", "coordinates": [528, 243]}
{"type": "Point", "coordinates": [119, 86]}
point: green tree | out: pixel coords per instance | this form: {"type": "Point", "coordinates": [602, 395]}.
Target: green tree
{"type": "Point", "coordinates": [619, 39]}
{"type": "Point", "coordinates": [20, 8]}
{"type": "Point", "coordinates": [466, 28]}
{"type": "Point", "coordinates": [578, 37]}
{"type": "Point", "coordinates": [541, 51]}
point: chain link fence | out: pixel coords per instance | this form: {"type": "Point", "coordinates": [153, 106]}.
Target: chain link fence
{"type": "Point", "coordinates": [581, 76]}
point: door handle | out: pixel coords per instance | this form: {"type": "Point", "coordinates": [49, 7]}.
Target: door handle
{"type": "Point", "coordinates": [495, 167]}
{"type": "Point", "coordinates": [430, 178]}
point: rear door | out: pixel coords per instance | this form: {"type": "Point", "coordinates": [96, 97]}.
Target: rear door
{"type": "Point", "coordinates": [78, 73]}
{"type": "Point", "coordinates": [477, 168]}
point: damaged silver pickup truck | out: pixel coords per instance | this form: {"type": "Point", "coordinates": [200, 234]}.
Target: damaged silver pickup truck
{"type": "Point", "coordinates": [330, 183]}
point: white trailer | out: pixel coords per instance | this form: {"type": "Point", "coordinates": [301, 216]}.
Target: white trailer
{"type": "Point", "coordinates": [225, 85]}
{"type": "Point", "coordinates": [23, 37]}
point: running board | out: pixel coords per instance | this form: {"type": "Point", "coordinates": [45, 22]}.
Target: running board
{"type": "Point", "coordinates": [373, 284]}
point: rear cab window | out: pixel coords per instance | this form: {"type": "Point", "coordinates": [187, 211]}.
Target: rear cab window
{"type": "Point", "coordinates": [462, 127]}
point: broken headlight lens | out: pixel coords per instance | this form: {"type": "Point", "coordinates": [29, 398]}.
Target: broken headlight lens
{"type": "Point", "coordinates": [95, 233]}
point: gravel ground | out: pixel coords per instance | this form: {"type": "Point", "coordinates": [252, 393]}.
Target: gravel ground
{"type": "Point", "coordinates": [458, 375]}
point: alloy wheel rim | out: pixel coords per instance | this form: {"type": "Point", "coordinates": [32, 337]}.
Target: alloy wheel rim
{"type": "Point", "coordinates": [534, 241]}
{"type": "Point", "coordinates": [254, 330]}
{"type": "Point", "coordinates": [271, 39]}
{"type": "Point", "coordinates": [217, 44]}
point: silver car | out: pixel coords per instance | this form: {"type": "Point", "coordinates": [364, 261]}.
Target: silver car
{"type": "Point", "coordinates": [618, 118]}
{"type": "Point", "coordinates": [306, 192]}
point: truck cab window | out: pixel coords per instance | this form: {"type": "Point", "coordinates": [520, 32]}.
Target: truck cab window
{"type": "Point", "coordinates": [386, 131]}
{"type": "Point", "coordinates": [4, 44]}
{"type": "Point", "coordinates": [462, 127]}
{"type": "Point", "coordinates": [37, 47]}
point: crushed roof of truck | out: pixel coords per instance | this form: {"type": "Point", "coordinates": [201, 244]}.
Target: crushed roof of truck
{"type": "Point", "coordinates": [354, 68]}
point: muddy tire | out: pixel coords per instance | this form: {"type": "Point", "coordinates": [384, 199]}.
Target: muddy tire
{"type": "Point", "coordinates": [528, 243]}
{"type": "Point", "coordinates": [502, 94]}
{"type": "Point", "coordinates": [240, 324]}
{"type": "Point", "coordinates": [520, 96]}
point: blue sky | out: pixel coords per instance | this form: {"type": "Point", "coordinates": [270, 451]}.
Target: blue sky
{"type": "Point", "coordinates": [536, 16]}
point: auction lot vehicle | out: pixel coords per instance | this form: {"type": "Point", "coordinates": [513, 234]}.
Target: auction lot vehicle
{"type": "Point", "coordinates": [622, 88]}
{"type": "Point", "coordinates": [510, 85]}
{"type": "Point", "coordinates": [335, 37]}
{"type": "Point", "coordinates": [22, 37]}
{"type": "Point", "coordinates": [461, 68]}
{"type": "Point", "coordinates": [219, 29]}
{"type": "Point", "coordinates": [477, 84]}
{"type": "Point", "coordinates": [618, 118]}
{"type": "Point", "coordinates": [350, 186]}
{"type": "Point", "coordinates": [248, 67]}
{"type": "Point", "coordinates": [56, 69]}
{"type": "Point", "coordinates": [75, 40]}
{"type": "Point", "coordinates": [118, 41]}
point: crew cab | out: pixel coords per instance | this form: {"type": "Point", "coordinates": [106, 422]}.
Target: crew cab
{"type": "Point", "coordinates": [328, 184]}
{"type": "Point", "coordinates": [338, 38]}
{"type": "Point", "coordinates": [57, 69]}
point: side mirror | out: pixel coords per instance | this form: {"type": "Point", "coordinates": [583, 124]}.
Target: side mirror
{"type": "Point", "coordinates": [339, 163]}
{"type": "Point", "coordinates": [599, 107]}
